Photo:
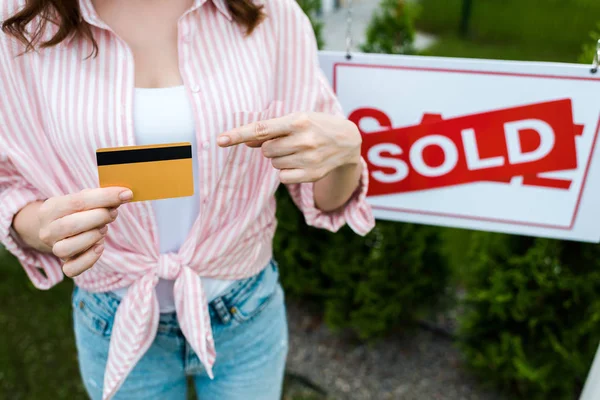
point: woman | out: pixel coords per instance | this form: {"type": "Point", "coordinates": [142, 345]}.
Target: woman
{"type": "Point", "coordinates": [184, 286]}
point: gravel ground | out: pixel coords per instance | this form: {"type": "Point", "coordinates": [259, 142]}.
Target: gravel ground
{"type": "Point", "coordinates": [424, 366]}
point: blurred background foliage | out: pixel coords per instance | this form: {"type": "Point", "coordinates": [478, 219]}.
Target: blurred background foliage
{"type": "Point", "coordinates": [529, 320]}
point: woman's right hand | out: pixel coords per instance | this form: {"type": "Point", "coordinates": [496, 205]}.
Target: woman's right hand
{"type": "Point", "coordinates": [74, 226]}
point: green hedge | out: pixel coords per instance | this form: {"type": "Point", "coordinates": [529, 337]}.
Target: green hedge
{"type": "Point", "coordinates": [392, 29]}
{"type": "Point", "coordinates": [532, 324]}
{"type": "Point", "coordinates": [372, 284]}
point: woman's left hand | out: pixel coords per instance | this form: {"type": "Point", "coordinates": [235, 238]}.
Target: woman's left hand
{"type": "Point", "coordinates": [305, 147]}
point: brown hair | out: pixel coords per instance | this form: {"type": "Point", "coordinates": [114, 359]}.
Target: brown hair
{"type": "Point", "coordinates": [66, 15]}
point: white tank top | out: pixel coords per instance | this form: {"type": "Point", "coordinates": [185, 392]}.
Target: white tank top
{"type": "Point", "coordinates": [163, 116]}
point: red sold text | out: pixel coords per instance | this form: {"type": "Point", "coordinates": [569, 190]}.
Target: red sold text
{"type": "Point", "coordinates": [490, 146]}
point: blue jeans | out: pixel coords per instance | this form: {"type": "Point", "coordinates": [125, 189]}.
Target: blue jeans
{"type": "Point", "coordinates": [251, 346]}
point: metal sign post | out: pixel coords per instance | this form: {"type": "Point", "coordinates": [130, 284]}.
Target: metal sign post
{"type": "Point", "coordinates": [596, 62]}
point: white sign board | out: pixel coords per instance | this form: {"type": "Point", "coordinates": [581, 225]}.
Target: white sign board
{"type": "Point", "coordinates": [489, 145]}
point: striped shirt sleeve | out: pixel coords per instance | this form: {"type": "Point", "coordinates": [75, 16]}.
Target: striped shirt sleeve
{"type": "Point", "coordinates": [44, 270]}
{"type": "Point", "coordinates": [308, 90]}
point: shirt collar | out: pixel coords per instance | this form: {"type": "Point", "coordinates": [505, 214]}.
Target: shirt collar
{"type": "Point", "coordinates": [221, 5]}
{"type": "Point", "coordinates": [88, 12]}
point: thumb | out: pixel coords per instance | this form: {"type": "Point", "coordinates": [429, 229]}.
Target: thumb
{"type": "Point", "coordinates": [255, 144]}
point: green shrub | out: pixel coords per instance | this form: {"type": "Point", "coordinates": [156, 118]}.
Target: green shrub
{"type": "Point", "coordinates": [298, 249]}
{"type": "Point", "coordinates": [392, 29]}
{"type": "Point", "coordinates": [371, 284]}
{"type": "Point", "coordinates": [532, 321]}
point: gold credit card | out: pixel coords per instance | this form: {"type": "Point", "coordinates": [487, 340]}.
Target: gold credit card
{"type": "Point", "coordinates": [151, 172]}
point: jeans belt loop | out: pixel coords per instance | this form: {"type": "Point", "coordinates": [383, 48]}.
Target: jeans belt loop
{"type": "Point", "coordinates": [221, 310]}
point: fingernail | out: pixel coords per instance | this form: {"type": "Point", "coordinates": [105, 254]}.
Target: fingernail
{"type": "Point", "coordinates": [114, 212]}
{"type": "Point", "coordinates": [126, 195]}
{"type": "Point", "coordinates": [223, 140]}
{"type": "Point", "coordinates": [104, 229]}
{"type": "Point", "coordinates": [99, 249]}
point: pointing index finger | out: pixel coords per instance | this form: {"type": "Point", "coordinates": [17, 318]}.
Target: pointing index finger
{"type": "Point", "coordinates": [258, 131]}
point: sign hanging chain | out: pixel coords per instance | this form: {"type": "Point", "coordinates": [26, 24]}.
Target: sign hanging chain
{"type": "Point", "coordinates": [596, 62]}
{"type": "Point", "coordinates": [349, 31]}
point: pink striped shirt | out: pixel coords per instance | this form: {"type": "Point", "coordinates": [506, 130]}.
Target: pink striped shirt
{"type": "Point", "coordinates": [57, 108]}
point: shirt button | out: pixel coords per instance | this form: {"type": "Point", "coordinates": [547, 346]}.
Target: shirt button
{"type": "Point", "coordinates": [186, 38]}
{"type": "Point", "coordinates": [206, 145]}
{"type": "Point", "coordinates": [195, 88]}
